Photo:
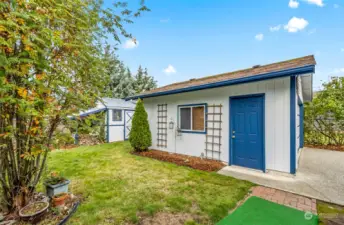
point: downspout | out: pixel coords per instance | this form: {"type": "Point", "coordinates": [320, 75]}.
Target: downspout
{"type": "Point", "coordinates": [302, 114]}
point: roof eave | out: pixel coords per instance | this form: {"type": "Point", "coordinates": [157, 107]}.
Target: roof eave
{"type": "Point", "coordinates": [271, 75]}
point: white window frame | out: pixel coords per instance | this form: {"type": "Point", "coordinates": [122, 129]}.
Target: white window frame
{"type": "Point", "coordinates": [191, 106]}
{"type": "Point", "coordinates": [112, 115]}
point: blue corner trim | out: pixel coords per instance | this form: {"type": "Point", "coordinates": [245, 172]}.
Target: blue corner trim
{"type": "Point", "coordinates": [205, 118]}
{"type": "Point", "coordinates": [107, 126]}
{"type": "Point", "coordinates": [231, 126]}
{"type": "Point", "coordinates": [292, 124]}
{"type": "Point", "coordinates": [302, 114]}
{"type": "Point", "coordinates": [276, 74]}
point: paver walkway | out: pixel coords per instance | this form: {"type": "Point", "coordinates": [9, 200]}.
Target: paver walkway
{"type": "Point", "coordinates": [285, 198]}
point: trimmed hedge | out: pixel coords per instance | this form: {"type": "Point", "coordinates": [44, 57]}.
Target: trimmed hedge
{"type": "Point", "coordinates": [140, 136]}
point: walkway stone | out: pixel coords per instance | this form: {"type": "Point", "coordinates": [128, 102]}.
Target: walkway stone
{"type": "Point", "coordinates": [285, 198]}
{"type": "Point", "coordinates": [320, 175]}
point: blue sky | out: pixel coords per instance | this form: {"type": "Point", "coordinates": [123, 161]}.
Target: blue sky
{"type": "Point", "coordinates": [179, 39]}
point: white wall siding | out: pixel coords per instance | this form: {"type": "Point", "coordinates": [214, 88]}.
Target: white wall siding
{"type": "Point", "coordinates": [116, 133]}
{"type": "Point", "coordinates": [277, 120]}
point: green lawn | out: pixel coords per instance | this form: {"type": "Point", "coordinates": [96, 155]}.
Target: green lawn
{"type": "Point", "coordinates": [118, 187]}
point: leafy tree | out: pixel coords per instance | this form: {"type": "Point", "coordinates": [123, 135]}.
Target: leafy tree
{"type": "Point", "coordinates": [144, 82]}
{"type": "Point", "coordinates": [122, 83]}
{"type": "Point", "coordinates": [115, 69]}
{"type": "Point", "coordinates": [126, 86]}
{"type": "Point", "coordinates": [51, 66]}
{"type": "Point", "coordinates": [140, 136]}
{"type": "Point", "coordinates": [324, 116]}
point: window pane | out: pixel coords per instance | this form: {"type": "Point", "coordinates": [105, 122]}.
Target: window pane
{"type": "Point", "coordinates": [198, 118]}
{"type": "Point", "coordinates": [185, 118]}
{"type": "Point", "coordinates": [116, 115]}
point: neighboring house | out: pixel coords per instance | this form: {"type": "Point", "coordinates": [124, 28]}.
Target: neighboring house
{"type": "Point", "coordinates": [118, 117]}
{"type": "Point", "coordinates": [250, 118]}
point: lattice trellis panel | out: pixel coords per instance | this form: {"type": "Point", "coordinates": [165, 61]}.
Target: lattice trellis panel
{"type": "Point", "coordinates": [214, 129]}
{"type": "Point", "coordinates": [162, 126]}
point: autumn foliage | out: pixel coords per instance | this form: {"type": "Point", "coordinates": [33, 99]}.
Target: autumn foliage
{"type": "Point", "coordinates": [51, 66]}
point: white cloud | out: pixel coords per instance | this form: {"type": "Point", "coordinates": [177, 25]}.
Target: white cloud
{"type": "Point", "coordinates": [165, 20]}
{"type": "Point", "coordinates": [293, 4]}
{"type": "Point", "coordinates": [342, 49]}
{"type": "Point", "coordinates": [259, 37]}
{"type": "Point", "coordinates": [296, 24]}
{"type": "Point", "coordinates": [131, 43]}
{"type": "Point", "coordinates": [169, 70]}
{"type": "Point", "coordinates": [275, 28]}
{"type": "Point", "coordinates": [336, 6]}
{"type": "Point", "coordinates": [316, 2]}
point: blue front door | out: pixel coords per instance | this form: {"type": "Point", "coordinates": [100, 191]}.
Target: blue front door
{"type": "Point", "coordinates": [247, 131]}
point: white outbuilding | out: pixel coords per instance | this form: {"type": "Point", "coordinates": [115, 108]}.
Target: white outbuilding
{"type": "Point", "coordinates": [118, 117]}
{"type": "Point", "coordinates": [250, 118]}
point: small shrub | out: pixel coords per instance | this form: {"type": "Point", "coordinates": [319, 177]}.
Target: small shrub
{"type": "Point", "coordinates": [140, 136]}
{"type": "Point", "coordinates": [54, 179]}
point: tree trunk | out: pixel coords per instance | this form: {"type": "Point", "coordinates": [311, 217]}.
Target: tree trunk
{"type": "Point", "coordinates": [21, 198]}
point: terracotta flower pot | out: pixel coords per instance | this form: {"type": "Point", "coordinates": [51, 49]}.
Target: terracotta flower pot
{"type": "Point", "coordinates": [60, 199]}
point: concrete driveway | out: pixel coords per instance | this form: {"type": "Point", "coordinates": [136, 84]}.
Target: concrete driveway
{"type": "Point", "coordinates": [320, 175]}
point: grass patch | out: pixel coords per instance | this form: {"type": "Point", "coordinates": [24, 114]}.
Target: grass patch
{"type": "Point", "coordinates": [118, 186]}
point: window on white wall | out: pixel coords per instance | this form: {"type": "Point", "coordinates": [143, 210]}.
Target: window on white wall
{"type": "Point", "coordinates": [116, 115]}
{"type": "Point", "coordinates": [192, 118]}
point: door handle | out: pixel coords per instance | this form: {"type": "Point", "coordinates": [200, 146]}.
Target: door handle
{"type": "Point", "coordinates": [233, 136]}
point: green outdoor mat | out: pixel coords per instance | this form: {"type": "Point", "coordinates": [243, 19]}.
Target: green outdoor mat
{"type": "Point", "coordinates": [257, 211]}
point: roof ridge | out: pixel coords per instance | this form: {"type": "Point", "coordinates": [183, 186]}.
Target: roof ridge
{"type": "Point", "coordinates": [285, 65]}
{"type": "Point", "coordinates": [235, 71]}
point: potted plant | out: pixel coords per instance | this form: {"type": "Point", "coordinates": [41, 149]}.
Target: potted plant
{"type": "Point", "coordinates": [60, 199]}
{"type": "Point", "coordinates": [56, 184]}
{"type": "Point", "coordinates": [34, 211]}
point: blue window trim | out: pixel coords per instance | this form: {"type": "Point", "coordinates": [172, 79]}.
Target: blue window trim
{"type": "Point", "coordinates": [205, 118]}
{"type": "Point", "coordinates": [125, 124]}
{"type": "Point", "coordinates": [253, 78]}
{"type": "Point", "coordinates": [113, 113]}
{"type": "Point", "coordinates": [292, 124]}
{"type": "Point", "coordinates": [231, 126]}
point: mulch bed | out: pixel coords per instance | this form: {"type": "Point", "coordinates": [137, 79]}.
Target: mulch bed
{"type": "Point", "coordinates": [184, 160]}
{"type": "Point", "coordinates": [87, 139]}
{"type": "Point", "coordinates": [328, 147]}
